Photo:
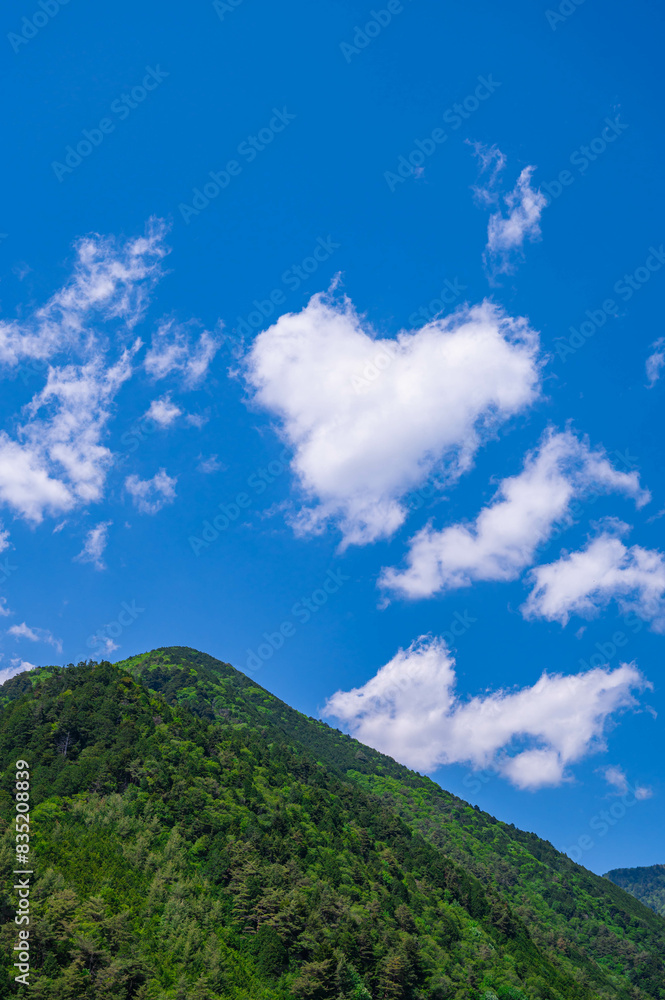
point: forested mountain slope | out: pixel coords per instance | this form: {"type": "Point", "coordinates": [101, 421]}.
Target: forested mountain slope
{"type": "Point", "coordinates": [646, 884]}
{"type": "Point", "coordinates": [195, 838]}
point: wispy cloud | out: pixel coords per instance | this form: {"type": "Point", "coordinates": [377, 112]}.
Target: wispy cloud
{"type": "Point", "coordinates": [532, 736]}
{"type": "Point", "coordinates": [150, 495]}
{"type": "Point", "coordinates": [209, 465]}
{"type": "Point", "coordinates": [111, 280]}
{"type": "Point", "coordinates": [655, 362]}
{"type": "Point", "coordinates": [513, 223]}
{"type": "Point", "coordinates": [617, 780]}
{"type": "Point", "coordinates": [24, 631]}
{"type": "Point", "coordinates": [95, 543]}
{"type": "Point", "coordinates": [175, 350]}
{"type": "Point", "coordinates": [58, 460]}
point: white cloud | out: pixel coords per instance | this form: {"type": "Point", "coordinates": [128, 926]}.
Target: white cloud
{"type": "Point", "coordinates": [25, 485]}
{"type": "Point", "coordinates": [430, 401]}
{"type": "Point", "coordinates": [111, 280]}
{"type": "Point", "coordinates": [410, 711]}
{"type": "Point", "coordinates": [4, 538]}
{"type": "Point", "coordinates": [491, 159]}
{"type": "Point", "coordinates": [209, 465]}
{"type": "Point", "coordinates": [18, 666]}
{"type": "Point", "coordinates": [584, 582]}
{"type": "Point", "coordinates": [24, 631]}
{"type": "Point", "coordinates": [175, 351]}
{"type": "Point", "coordinates": [150, 495]}
{"type": "Point", "coordinates": [506, 233]}
{"type": "Point", "coordinates": [95, 543]}
{"type": "Point", "coordinates": [58, 460]}
{"type": "Point", "coordinates": [4, 610]}
{"type": "Point", "coordinates": [503, 539]}
{"type": "Point", "coordinates": [616, 779]}
{"type": "Point", "coordinates": [655, 362]}
{"type": "Point", "coordinates": [163, 411]}
{"type": "Point", "coordinates": [105, 645]}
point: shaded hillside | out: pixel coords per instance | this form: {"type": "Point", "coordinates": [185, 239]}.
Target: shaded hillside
{"type": "Point", "coordinates": [196, 839]}
{"type": "Point", "coordinates": [645, 884]}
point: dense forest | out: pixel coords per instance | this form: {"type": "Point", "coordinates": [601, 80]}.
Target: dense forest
{"type": "Point", "coordinates": [646, 884]}
{"type": "Point", "coordinates": [194, 838]}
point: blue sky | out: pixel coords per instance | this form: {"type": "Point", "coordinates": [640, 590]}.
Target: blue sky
{"type": "Point", "coordinates": [468, 507]}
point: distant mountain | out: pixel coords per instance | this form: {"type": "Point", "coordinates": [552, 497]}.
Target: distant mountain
{"type": "Point", "coordinates": [645, 884]}
{"type": "Point", "coordinates": [195, 838]}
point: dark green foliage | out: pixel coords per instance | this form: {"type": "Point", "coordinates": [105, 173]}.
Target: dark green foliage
{"type": "Point", "coordinates": [197, 839]}
{"type": "Point", "coordinates": [645, 884]}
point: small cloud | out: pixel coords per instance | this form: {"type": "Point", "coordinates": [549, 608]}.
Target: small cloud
{"type": "Point", "coordinates": [4, 539]}
{"type": "Point", "coordinates": [209, 465]}
{"type": "Point", "coordinates": [104, 645]}
{"type": "Point", "coordinates": [174, 350]}
{"type": "Point", "coordinates": [24, 631]}
{"type": "Point", "coordinates": [617, 780]}
{"type": "Point", "coordinates": [21, 270]}
{"type": "Point", "coordinates": [655, 362]}
{"type": "Point", "coordinates": [95, 543]}
{"type": "Point", "coordinates": [506, 233]}
{"type": "Point", "coordinates": [586, 581]}
{"type": "Point", "coordinates": [491, 158]}
{"type": "Point", "coordinates": [4, 610]}
{"type": "Point", "coordinates": [18, 666]}
{"type": "Point", "coordinates": [150, 495]}
{"type": "Point", "coordinates": [163, 411]}
{"type": "Point", "coordinates": [198, 420]}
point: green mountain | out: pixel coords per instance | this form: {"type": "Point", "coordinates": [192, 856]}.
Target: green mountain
{"type": "Point", "coordinates": [194, 838]}
{"type": "Point", "coordinates": [645, 884]}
